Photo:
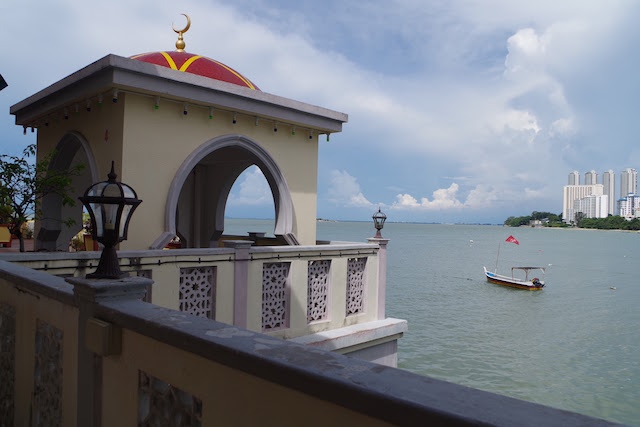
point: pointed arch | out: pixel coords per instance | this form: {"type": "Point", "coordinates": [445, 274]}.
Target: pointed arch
{"type": "Point", "coordinates": [72, 147]}
{"type": "Point", "coordinates": [225, 177]}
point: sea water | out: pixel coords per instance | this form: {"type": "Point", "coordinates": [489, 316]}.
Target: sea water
{"type": "Point", "coordinates": [575, 345]}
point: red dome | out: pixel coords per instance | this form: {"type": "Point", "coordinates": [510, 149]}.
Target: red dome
{"type": "Point", "coordinates": [196, 64]}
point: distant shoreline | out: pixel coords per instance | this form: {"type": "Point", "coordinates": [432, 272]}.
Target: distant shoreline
{"type": "Point", "coordinates": [446, 223]}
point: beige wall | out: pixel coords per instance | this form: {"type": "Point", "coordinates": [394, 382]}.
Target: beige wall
{"type": "Point", "coordinates": [229, 397]}
{"type": "Point", "coordinates": [92, 126]}
{"type": "Point", "coordinates": [29, 308]}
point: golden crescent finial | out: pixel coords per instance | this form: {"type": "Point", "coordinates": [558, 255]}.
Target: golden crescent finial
{"type": "Point", "coordinates": [180, 44]}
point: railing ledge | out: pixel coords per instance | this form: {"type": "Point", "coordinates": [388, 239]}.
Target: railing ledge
{"type": "Point", "coordinates": [353, 335]}
{"type": "Point", "coordinates": [381, 392]}
{"type": "Point", "coordinates": [341, 246]}
{"type": "Point", "coordinates": [37, 282]}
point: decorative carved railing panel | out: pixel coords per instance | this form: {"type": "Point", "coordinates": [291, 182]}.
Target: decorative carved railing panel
{"type": "Point", "coordinates": [7, 363]}
{"type": "Point", "coordinates": [275, 295]}
{"type": "Point", "coordinates": [197, 291]}
{"type": "Point", "coordinates": [318, 290]}
{"type": "Point", "coordinates": [47, 376]}
{"type": "Point", "coordinates": [355, 285]}
{"type": "Point", "coordinates": [161, 404]}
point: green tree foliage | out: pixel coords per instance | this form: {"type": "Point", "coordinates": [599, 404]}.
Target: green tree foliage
{"type": "Point", "coordinates": [23, 184]}
{"type": "Point", "coordinates": [549, 219]}
{"type": "Point", "coordinates": [609, 223]}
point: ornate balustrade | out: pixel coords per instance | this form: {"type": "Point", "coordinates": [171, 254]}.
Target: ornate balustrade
{"type": "Point", "coordinates": [300, 292]}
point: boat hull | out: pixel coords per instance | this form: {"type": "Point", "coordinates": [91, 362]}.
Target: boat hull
{"type": "Point", "coordinates": [511, 282]}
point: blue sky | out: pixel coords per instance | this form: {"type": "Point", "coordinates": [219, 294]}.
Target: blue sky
{"type": "Point", "coordinates": [459, 111]}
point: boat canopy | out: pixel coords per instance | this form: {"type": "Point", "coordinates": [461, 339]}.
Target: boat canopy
{"type": "Point", "coordinates": [527, 269]}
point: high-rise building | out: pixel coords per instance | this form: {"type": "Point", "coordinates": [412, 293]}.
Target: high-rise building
{"type": "Point", "coordinates": [572, 193]}
{"type": "Point", "coordinates": [574, 178]}
{"type": "Point", "coordinates": [592, 206]}
{"type": "Point", "coordinates": [609, 183]}
{"type": "Point", "coordinates": [628, 182]}
{"type": "Point", "coordinates": [629, 206]}
{"type": "Point", "coordinates": [591, 178]}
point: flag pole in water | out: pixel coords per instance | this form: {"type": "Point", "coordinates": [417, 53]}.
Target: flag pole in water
{"type": "Point", "coordinates": [509, 239]}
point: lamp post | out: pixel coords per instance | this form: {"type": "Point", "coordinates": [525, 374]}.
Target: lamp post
{"type": "Point", "coordinates": [110, 205]}
{"type": "Point", "coordinates": [378, 221]}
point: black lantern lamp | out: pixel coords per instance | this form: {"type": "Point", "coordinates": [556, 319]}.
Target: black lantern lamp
{"type": "Point", "coordinates": [378, 221]}
{"type": "Point", "coordinates": [110, 205]}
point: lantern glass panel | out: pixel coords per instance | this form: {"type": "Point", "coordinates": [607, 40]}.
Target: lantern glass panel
{"type": "Point", "coordinates": [128, 192]}
{"type": "Point", "coordinates": [110, 216]}
{"type": "Point", "coordinates": [112, 190]}
{"type": "Point", "coordinates": [96, 208]}
{"type": "Point", "coordinates": [97, 189]}
{"type": "Point", "coordinates": [124, 220]}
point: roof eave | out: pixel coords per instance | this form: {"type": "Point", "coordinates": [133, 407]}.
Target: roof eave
{"type": "Point", "coordinates": [116, 72]}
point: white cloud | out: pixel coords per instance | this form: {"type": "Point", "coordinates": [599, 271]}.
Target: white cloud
{"type": "Point", "coordinates": [448, 199]}
{"type": "Point", "coordinates": [526, 52]}
{"type": "Point", "coordinates": [444, 198]}
{"type": "Point", "coordinates": [481, 197]}
{"type": "Point", "coordinates": [251, 189]}
{"type": "Point", "coordinates": [345, 191]}
{"type": "Point", "coordinates": [562, 127]}
{"type": "Point", "coordinates": [516, 120]}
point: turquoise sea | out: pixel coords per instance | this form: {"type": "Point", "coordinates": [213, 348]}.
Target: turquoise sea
{"type": "Point", "coordinates": [575, 345]}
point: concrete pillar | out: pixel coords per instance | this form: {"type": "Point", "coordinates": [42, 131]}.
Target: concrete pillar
{"type": "Point", "coordinates": [96, 338]}
{"type": "Point", "coordinates": [382, 274]}
{"type": "Point", "coordinates": [240, 280]}
{"type": "Point", "coordinates": [198, 194]}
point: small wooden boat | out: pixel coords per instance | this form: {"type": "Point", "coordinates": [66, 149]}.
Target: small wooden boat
{"type": "Point", "coordinates": [534, 284]}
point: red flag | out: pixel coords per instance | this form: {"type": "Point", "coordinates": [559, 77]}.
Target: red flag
{"type": "Point", "coordinates": [512, 239]}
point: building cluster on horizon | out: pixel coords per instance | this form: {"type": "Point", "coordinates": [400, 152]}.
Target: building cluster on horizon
{"type": "Point", "coordinates": [598, 200]}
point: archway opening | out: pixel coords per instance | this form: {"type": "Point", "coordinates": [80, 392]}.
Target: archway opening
{"type": "Point", "coordinates": [250, 209]}
{"type": "Point", "coordinates": [200, 190]}
{"type": "Point", "coordinates": [58, 224]}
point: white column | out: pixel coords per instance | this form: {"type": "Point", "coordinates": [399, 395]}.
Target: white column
{"type": "Point", "coordinates": [240, 280]}
{"type": "Point", "coordinates": [382, 274]}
